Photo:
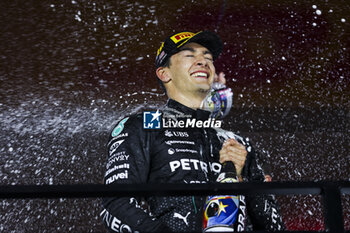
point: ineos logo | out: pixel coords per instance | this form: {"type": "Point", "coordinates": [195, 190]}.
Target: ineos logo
{"type": "Point", "coordinates": [115, 224]}
{"type": "Point", "coordinates": [125, 229]}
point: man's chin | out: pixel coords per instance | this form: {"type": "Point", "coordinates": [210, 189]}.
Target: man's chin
{"type": "Point", "coordinates": [204, 87]}
{"type": "Point", "coordinates": [204, 90]}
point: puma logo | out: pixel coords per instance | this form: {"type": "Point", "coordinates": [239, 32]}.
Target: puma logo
{"type": "Point", "coordinates": [177, 215]}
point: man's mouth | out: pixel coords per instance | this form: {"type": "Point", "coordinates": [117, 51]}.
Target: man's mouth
{"type": "Point", "coordinates": [200, 74]}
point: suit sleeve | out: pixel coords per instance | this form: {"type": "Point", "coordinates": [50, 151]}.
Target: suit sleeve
{"type": "Point", "coordinates": [128, 162]}
{"type": "Point", "coordinates": [263, 210]}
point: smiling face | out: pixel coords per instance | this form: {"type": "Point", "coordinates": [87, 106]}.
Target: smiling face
{"type": "Point", "coordinates": [190, 74]}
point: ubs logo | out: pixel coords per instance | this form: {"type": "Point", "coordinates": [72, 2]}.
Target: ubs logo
{"type": "Point", "coordinates": [169, 133]}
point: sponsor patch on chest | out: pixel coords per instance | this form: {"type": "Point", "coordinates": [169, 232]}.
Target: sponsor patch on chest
{"type": "Point", "coordinates": [170, 133]}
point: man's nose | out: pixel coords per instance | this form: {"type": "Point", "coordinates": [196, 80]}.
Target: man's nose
{"type": "Point", "coordinates": [201, 61]}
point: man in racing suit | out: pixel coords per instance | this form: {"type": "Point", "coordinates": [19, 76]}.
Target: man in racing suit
{"type": "Point", "coordinates": [176, 154]}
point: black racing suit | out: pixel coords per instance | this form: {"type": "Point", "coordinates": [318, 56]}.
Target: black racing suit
{"type": "Point", "coordinates": [174, 155]}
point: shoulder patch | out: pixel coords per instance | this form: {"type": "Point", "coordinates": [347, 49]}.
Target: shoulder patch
{"type": "Point", "coordinates": [119, 128]}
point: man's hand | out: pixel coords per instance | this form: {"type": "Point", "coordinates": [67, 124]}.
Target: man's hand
{"type": "Point", "coordinates": [234, 152]}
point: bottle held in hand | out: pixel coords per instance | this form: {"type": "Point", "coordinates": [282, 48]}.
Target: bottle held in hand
{"type": "Point", "coordinates": [218, 101]}
{"type": "Point", "coordinates": [225, 213]}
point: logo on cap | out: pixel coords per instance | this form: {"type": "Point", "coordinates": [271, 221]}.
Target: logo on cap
{"type": "Point", "coordinates": [181, 36]}
{"type": "Point", "coordinates": [160, 48]}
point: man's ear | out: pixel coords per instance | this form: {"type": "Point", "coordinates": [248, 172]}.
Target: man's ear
{"type": "Point", "coordinates": [163, 74]}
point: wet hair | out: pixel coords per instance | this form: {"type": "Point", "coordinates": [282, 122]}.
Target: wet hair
{"type": "Point", "coordinates": [166, 64]}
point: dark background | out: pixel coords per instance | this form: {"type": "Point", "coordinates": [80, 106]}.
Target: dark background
{"type": "Point", "coordinates": [70, 69]}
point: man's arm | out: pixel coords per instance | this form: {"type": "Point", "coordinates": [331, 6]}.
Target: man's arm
{"type": "Point", "coordinates": [263, 210]}
{"type": "Point", "coordinates": [128, 162]}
